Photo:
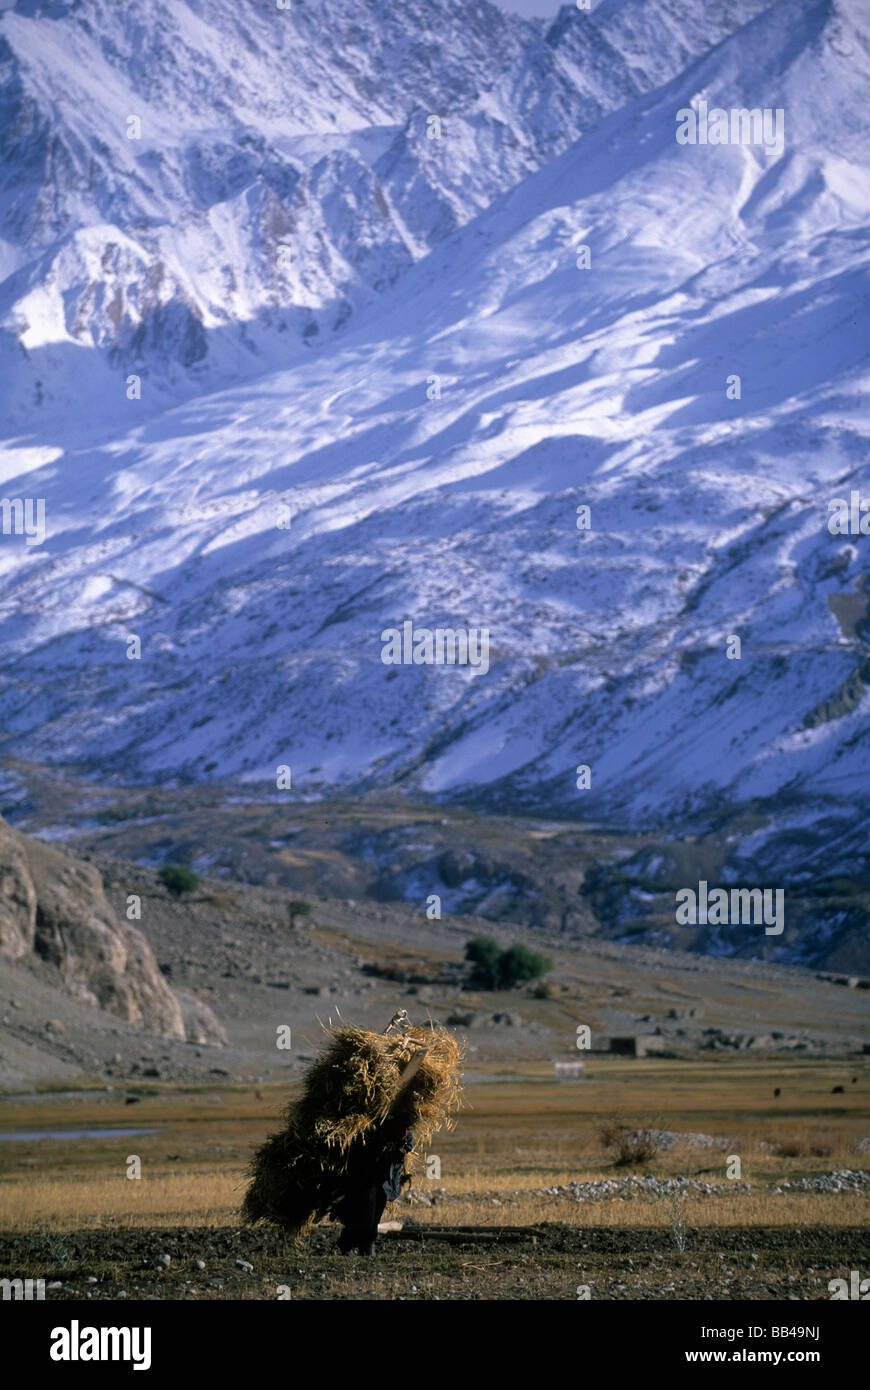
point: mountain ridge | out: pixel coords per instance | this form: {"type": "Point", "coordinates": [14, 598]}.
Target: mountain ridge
{"type": "Point", "coordinates": [260, 538]}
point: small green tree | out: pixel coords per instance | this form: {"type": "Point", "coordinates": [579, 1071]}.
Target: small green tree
{"type": "Point", "coordinates": [178, 878]}
{"type": "Point", "coordinates": [519, 963]}
{"type": "Point", "coordinates": [493, 968]}
{"type": "Point", "coordinates": [298, 907]}
{"type": "Point", "coordinates": [483, 954]}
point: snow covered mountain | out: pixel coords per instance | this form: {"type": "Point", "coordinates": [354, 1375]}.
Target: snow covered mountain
{"type": "Point", "coordinates": [196, 187]}
{"type": "Point", "coordinates": [555, 305]}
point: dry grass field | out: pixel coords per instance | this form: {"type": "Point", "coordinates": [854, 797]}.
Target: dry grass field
{"type": "Point", "coordinates": [69, 1212]}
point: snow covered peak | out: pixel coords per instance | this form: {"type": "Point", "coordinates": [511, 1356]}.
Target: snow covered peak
{"type": "Point", "coordinates": [198, 129]}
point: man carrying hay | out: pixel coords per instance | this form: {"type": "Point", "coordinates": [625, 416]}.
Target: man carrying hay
{"type": "Point", "coordinates": [376, 1176]}
{"type": "Point", "coordinates": [367, 1101]}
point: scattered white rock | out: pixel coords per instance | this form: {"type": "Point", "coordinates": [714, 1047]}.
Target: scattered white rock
{"type": "Point", "coordinates": [633, 1187]}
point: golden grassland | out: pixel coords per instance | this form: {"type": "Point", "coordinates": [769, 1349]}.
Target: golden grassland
{"type": "Point", "coordinates": [512, 1138]}
{"type": "Point", "coordinates": [208, 1198]}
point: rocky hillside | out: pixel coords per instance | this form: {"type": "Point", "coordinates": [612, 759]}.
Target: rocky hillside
{"type": "Point", "coordinates": [54, 914]}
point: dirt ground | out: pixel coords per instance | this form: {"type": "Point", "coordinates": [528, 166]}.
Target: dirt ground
{"type": "Point", "coordinates": [550, 1261]}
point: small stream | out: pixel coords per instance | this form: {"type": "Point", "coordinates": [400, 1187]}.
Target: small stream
{"type": "Point", "coordinates": [21, 1135]}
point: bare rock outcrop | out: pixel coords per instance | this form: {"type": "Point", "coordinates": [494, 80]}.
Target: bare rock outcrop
{"type": "Point", "coordinates": [17, 897]}
{"type": "Point", "coordinates": [200, 1021]}
{"type": "Point", "coordinates": [54, 905]}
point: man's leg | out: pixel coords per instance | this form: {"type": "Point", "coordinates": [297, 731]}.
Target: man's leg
{"type": "Point", "coordinates": [360, 1215]}
{"type": "Point", "coordinates": [353, 1214]}
{"type": "Point", "coordinates": [350, 1240]}
{"type": "Point", "coordinates": [375, 1203]}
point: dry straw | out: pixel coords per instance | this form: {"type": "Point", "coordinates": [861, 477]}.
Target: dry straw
{"type": "Point", "coordinates": [353, 1092]}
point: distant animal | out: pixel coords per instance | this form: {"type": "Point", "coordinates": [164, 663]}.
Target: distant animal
{"type": "Point", "coordinates": [854, 1079]}
{"type": "Point", "coordinates": [131, 1100]}
{"type": "Point", "coordinates": [836, 1090]}
{"type": "Point", "coordinates": [777, 1091]}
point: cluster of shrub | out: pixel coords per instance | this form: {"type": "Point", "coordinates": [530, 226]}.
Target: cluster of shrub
{"type": "Point", "coordinates": [178, 879]}
{"type": "Point", "coordinates": [494, 968]}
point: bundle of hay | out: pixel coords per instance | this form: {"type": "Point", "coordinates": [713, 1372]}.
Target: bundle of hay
{"type": "Point", "coordinates": [353, 1093]}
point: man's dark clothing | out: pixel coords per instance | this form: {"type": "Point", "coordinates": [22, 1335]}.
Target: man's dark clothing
{"type": "Point", "coordinates": [375, 1177]}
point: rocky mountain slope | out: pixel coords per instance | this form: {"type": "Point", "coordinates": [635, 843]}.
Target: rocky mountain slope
{"type": "Point", "coordinates": [56, 919]}
{"type": "Point", "coordinates": [670, 335]}
{"type": "Point", "coordinates": [197, 189]}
